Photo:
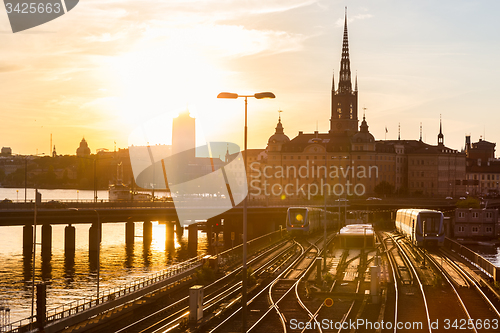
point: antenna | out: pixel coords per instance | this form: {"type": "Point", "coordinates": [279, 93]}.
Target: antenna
{"type": "Point", "coordinates": [50, 148]}
{"type": "Point", "coordinates": [420, 131]}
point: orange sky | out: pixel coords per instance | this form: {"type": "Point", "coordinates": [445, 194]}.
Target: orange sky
{"type": "Point", "coordinates": [107, 66]}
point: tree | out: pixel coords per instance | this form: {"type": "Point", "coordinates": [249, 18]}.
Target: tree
{"type": "Point", "coordinates": [384, 188]}
{"type": "Point", "coordinates": [470, 202]}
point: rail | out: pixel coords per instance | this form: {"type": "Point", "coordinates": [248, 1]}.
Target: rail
{"type": "Point", "coordinates": [235, 254]}
{"type": "Point", "coordinates": [477, 260]}
{"type": "Point", "coordinates": [72, 308]}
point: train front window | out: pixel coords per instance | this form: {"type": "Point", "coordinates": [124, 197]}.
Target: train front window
{"type": "Point", "coordinates": [432, 222]}
{"type": "Point", "coordinates": [297, 217]}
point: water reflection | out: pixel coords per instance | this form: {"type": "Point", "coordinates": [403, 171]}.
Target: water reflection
{"type": "Point", "coordinates": [46, 267]}
{"type": "Point", "coordinates": [73, 275]}
{"type": "Point", "coordinates": [129, 255]}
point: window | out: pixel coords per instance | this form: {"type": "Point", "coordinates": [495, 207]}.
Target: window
{"type": "Point", "coordinates": [489, 215]}
{"type": "Point", "coordinates": [475, 215]}
{"type": "Point", "coordinates": [475, 229]}
{"type": "Point", "coordinates": [489, 229]}
{"type": "Point", "coordinates": [461, 229]}
{"type": "Point", "coordinates": [461, 215]}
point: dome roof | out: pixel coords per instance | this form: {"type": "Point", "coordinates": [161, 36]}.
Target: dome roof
{"type": "Point", "coordinates": [279, 136]}
{"type": "Point", "coordinates": [363, 135]}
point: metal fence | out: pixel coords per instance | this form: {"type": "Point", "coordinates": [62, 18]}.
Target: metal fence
{"type": "Point", "coordinates": [108, 295]}
{"type": "Point", "coordinates": [474, 258]}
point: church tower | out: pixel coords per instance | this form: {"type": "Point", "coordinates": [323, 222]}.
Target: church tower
{"type": "Point", "coordinates": [440, 135]}
{"type": "Point", "coordinates": [344, 117]}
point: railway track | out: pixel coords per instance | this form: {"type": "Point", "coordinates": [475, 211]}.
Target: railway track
{"type": "Point", "coordinates": [447, 298]}
{"type": "Point", "coordinates": [175, 315]}
{"type": "Point", "coordinates": [265, 308]}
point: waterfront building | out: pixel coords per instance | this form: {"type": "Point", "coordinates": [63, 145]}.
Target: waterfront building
{"type": "Point", "coordinates": [483, 170]}
{"type": "Point", "coordinates": [476, 223]}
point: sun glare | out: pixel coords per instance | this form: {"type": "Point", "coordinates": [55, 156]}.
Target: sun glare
{"type": "Point", "coordinates": [159, 241]}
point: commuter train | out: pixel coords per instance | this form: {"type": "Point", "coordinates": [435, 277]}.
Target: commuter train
{"type": "Point", "coordinates": [306, 220]}
{"type": "Point", "coordinates": [411, 222]}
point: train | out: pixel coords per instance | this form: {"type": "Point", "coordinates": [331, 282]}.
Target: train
{"type": "Point", "coordinates": [411, 222]}
{"type": "Point", "coordinates": [307, 220]}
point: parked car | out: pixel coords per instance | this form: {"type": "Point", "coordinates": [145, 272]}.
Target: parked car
{"type": "Point", "coordinates": [449, 198]}
{"type": "Point", "coordinates": [54, 204]}
{"type": "Point", "coordinates": [342, 200]}
{"type": "Point", "coordinates": [373, 198]}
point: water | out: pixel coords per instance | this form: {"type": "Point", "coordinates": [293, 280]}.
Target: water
{"type": "Point", "coordinates": [490, 253]}
{"type": "Point", "coordinates": [67, 280]}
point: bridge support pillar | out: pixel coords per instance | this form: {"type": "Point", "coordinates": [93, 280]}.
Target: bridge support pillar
{"type": "Point", "coordinates": [147, 232]}
{"type": "Point", "coordinates": [69, 240]}
{"type": "Point", "coordinates": [46, 239]}
{"type": "Point", "coordinates": [129, 232]}
{"type": "Point", "coordinates": [193, 238]}
{"type": "Point", "coordinates": [94, 237]}
{"type": "Point", "coordinates": [179, 230]}
{"type": "Point", "coordinates": [27, 238]}
{"type": "Point", "coordinates": [169, 238]}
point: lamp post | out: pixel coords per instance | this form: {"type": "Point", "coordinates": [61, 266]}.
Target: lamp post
{"type": "Point", "coordinates": [26, 174]}
{"type": "Point", "coordinates": [261, 95]}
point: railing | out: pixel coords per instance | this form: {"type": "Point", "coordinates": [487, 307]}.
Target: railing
{"type": "Point", "coordinates": [106, 204]}
{"type": "Point", "coordinates": [108, 295]}
{"type": "Point", "coordinates": [477, 260]}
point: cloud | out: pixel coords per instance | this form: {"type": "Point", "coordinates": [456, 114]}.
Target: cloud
{"type": "Point", "coordinates": [10, 68]}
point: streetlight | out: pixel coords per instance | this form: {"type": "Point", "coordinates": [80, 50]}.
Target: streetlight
{"type": "Point", "coordinates": [26, 174]}
{"type": "Point", "coordinates": [261, 95]}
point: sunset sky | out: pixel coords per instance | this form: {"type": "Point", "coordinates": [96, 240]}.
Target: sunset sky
{"type": "Point", "coordinates": [109, 65]}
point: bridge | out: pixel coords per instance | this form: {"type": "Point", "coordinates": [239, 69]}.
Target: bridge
{"type": "Point", "coordinates": [263, 217]}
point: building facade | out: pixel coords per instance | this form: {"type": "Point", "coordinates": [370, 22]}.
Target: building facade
{"type": "Point", "coordinates": [476, 223]}
{"type": "Point", "coordinates": [348, 161]}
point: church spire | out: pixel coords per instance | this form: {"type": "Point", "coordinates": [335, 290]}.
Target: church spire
{"type": "Point", "coordinates": [345, 84]}
{"type": "Point", "coordinates": [333, 82]}
{"type": "Point", "coordinates": [440, 135]}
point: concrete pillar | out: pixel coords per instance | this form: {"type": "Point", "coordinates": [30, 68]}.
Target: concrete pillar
{"type": "Point", "coordinates": [375, 283]}
{"type": "Point", "coordinates": [69, 240]}
{"type": "Point", "coordinates": [169, 230]}
{"type": "Point", "coordinates": [195, 304]}
{"type": "Point", "coordinates": [93, 238]}
{"type": "Point", "coordinates": [147, 232]}
{"type": "Point", "coordinates": [193, 238]}
{"type": "Point", "coordinates": [179, 230]}
{"type": "Point", "coordinates": [27, 238]}
{"type": "Point", "coordinates": [46, 239]}
{"type": "Point", "coordinates": [129, 232]}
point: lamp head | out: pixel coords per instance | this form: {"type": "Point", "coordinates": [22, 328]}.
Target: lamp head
{"type": "Point", "coordinates": [227, 95]}
{"type": "Point", "coordinates": [264, 95]}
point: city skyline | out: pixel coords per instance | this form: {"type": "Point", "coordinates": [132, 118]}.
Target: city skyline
{"type": "Point", "coordinates": [104, 67]}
